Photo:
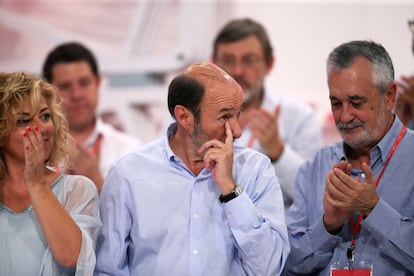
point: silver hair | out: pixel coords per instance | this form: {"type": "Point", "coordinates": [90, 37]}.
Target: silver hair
{"type": "Point", "coordinates": [345, 54]}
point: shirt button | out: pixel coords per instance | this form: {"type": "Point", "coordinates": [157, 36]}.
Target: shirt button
{"type": "Point", "coordinates": [196, 216]}
{"type": "Point", "coordinates": [229, 215]}
{"type": "Point", "coordinates": [195, 252]}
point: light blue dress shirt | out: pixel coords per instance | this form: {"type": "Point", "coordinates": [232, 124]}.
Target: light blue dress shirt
{"type": "Point", "coordinates": [161, 219]}
{"type": "Point", "coordinates": [386, 237]}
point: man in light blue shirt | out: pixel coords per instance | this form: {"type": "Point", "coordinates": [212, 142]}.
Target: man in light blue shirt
{"type": "Point", "coordinates": [192, 203]}
{"type": "Point", "coordinates": [354, 203]}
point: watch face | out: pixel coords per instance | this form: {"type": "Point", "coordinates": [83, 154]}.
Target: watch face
{"type": "Point", "coordinates": [238, 190]}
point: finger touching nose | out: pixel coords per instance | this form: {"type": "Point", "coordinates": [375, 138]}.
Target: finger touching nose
{"type": "Point", "coordinates": [235, 128]}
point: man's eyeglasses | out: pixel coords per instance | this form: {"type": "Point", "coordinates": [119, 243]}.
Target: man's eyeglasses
{"type": "Point", "coordinates": [247, 62]}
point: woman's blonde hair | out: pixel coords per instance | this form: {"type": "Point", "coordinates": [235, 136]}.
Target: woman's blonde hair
{"type": "Point", "coordinates": [15, 88]}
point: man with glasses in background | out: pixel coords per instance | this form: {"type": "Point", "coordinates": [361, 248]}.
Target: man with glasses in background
{"type": "Point", "coordinates": [287, 131]}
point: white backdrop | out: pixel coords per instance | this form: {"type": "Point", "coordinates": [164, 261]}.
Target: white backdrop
{"type": "Point", "coordinates": [304, 32]}
{"type": "Point", "coordinates": [131, 37]}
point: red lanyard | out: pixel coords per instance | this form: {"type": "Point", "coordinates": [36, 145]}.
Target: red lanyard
{"type": "Point", "coordinates": [251, 141]}
{"type": "Point", "coordinates": [96, 147]}
{"type": "Point", "coordinates": [355, 226]}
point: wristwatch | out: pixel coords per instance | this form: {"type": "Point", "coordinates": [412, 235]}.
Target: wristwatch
{"type": "Point", "coordinates": [235, 193]}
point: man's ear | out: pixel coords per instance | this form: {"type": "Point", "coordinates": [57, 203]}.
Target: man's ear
{"type": "Point", "coordinates": [184, 117]}
{"type": "Point", "coordinates": [391, 95]}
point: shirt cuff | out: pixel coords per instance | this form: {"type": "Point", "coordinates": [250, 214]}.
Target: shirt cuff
{"type": "Point", "coordinates": [241, 213]}
{"type": "Point", "coordinates": [321, 238]}
{"type": "Point", "coordinates": [381, 220]}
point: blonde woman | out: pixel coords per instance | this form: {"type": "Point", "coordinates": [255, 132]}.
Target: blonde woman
{"type": "Point", "coordinates": [48, 220]}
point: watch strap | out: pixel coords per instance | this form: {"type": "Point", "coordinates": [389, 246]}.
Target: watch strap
{"type": "Point", "coordinates": [235, 193]}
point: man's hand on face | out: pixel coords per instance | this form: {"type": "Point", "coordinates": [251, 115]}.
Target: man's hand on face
{"type": "Point", "coordinates": [218, 157]}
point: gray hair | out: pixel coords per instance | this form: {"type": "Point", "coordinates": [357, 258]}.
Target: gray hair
{"type": "Point", "coordinates": [345, 54]}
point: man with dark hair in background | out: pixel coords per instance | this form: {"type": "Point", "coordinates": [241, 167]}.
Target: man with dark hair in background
{"type": "Point", "coordinates": [73, 68]}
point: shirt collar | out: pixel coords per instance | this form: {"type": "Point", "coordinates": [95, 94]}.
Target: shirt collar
{"type": "Point", "coordinates": [168, 151]}
{"type": "Point", "coordinates": [172, 157]}
{"type": "Point", "coordinates": [99, 125]}
{"type": "Point", "coordinates": [269, 101]}
{"type": "Point", "coordinates": [387, 142]}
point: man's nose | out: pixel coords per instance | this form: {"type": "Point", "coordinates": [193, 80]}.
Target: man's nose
{"type": "Point", "coordinates": [235, 128]}
{"type": "Point", "coordinates": [237, 69]}
{"type": "Point", "coordinates": [347, 113]}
